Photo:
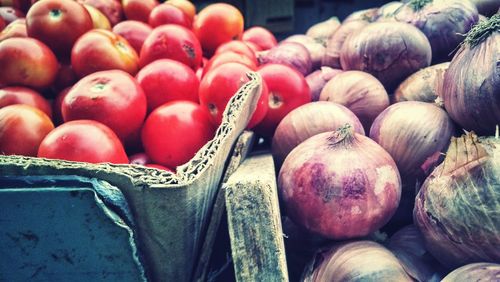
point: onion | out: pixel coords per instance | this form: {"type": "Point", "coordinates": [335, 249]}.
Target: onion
{"type": "Point", "coordinates": [368, 15]}
{"type": "Point", "coordinates": [487, 7]}
{"type": "Point", "coordinates": [318, 78]}
{"type": "Point", "coordinates": [339, 184]}
{"type": "Point", "coordinates": [362, 93]}
{"type": "Point", "coordinates": [471, 87]}
{"type": "Point", "coordinates": [322, 31]}
{"type": "Point", "coordinates": [457, 208]}
{"type": "Point", "coordinates": [408, 246]}
{"type": "Point", "coordinates": [412, 132]}
{"type": "Point", "coordinates": [391, 51]}
{"type": "Point", "coordinates": [291, 54]}
{"type": "Point", "coordinates": [315, 48]}
{"type": "Point", "coordinates": [355, 261]}
{"type": "Point", "coordinates": [443, 22]}
{"type": "Point", "coordinates": [425, 85]}
{"type": "Point", "coordinates": [388, 10]}
{"type": "Point", "coordinates": [334, 45]}
{"type": "Point", "coordinates": [309, 120]}
{"type": "Point", "coordinates": [139, 159]}
{"type": "Point", "coordinates": [475, 272]}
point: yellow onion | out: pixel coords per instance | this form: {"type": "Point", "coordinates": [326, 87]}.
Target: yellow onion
{"type": "Point", "coordinates": [475, 272]}
{"type": "Point", "coordinates": [331, 57]}
{"type": "Point", "coordinates": [322, 31]}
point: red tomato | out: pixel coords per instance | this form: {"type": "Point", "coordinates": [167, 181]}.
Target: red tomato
{"type": "Point", "coordinates": [138, 10]}
{"type": "Point", "coordinates": [83, 141]}
{"type": "Point", "coordinates": [58, 24]}
{"type": "Point", "coordinates": [2, 24]}
{"type": "Point", "coordinates": [186, 6]}
{"type": "Point", "coordinates": [288, 90]}
{"type": "Point", "coordinates": [237, 46]}
{"type": "Point", "coordinates": [168, 80]}
{"type": "Point", "coordinates": [260, 36]}
{"type": "Point", "coordinates": [16, 28]}
{"type": "Point", "coordinates": [168, 14]}
{"type": "Point", "coordinates": [112, 97]}
{"type": "Point", "coordinates": [174, 42]}
{"type": "Point", "coordinates": [229, 57]}
{"type": "Point", "coordinates": [217, 24]}
{"type": "Point", "coordinates": [65, 77]}
{"type": "Point", "coordinates": [112, 9]}
{"type": "Point", "coordinates": [220, 84]}
{"type": "Point", "coordinates": [134, 32]}
{"type": "Point", "coordinates": [22, 129]}
{"type": "Point", "coordinates": [99, 20]}
{"type": "Point", "coordinates": [175, 131]}
{"type": "Point", "coordinates": [57, 105]}
{"type": "Point", "coordinates": [22, 95]}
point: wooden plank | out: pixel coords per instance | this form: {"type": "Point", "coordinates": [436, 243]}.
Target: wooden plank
{"type": "Point", "coordinates": [254, 221]}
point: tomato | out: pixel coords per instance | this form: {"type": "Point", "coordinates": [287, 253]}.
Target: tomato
{"type": "Point", "coordinates": [220, 84]}
{"type": "Point", "coordinates": [16, 28]}
{"type": "Point", "coordinates": [168, 14]}
{"type": "Point", "coordinates": [174, 42]}
{"type": "Point", "coordinates": [228, 57]}
{"type": "Point", "coordinates": [112, 9]}
{"type": "Point", "coordinates": [65, 77]}
{"type": "Point", "coordinates": [138, 10]}
{"type": "Point", "coordinates": [112, 97]}
{"type": "Point", "coordinates": [237, 46]}
{"type": "Point", "coordinates": [186, 6]}
{"type": "Point", "coordinates": [101, 49]}
{"type": "Point", "coordinates": [216, 24]}
{"type": "Point", "coordinates": [175, 131]}
{"type": "Point", "coordinates": [57, 105]}
{"type": "Point", "coordinates": [2, 24]}
{"type": "Point", "coordinates": [134, 32]}
{"type": "Point", "coordinates": [288, 90]}
{"type": "Point", "coordinates": [168, 80]}
{"type": "Point", "coordinates": [260, 36]}
{"type": "Point", "coordinates": [83, 141]}
{"type": "Point", "coordinates": [99, 20]}
{"type": "Point", "coordinates": [23, 95]}
{"type": "Point", "coordinates": [22, 129]}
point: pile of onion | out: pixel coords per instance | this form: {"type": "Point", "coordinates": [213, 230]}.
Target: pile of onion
{"type": "Point", "coordinates": [359, 91]}
{"type": "Point", "coordinates": [475, 272]}
{"type": "Point", "coordinates": [318, 78]}
{"type": "Point", "coordinates": [443, 22]}
{"type": "Point", "coordinates": [307, 121]}
{"type": "Point", "coordinates": [339, 184]}
{"type": "Point", "coordinates": [457, 207]}
{"type": "Point", "coordinates": [355, 261]}
{"type": "Point", "coordinates": [369, 15]}
{"type": "Point", "coordinates": [291, 54]}
{"type": "Point", "coordinates": [390, 51]}
{"type": "Point", "coordinates": [315, 48]}
{"type": "Point", "coordinates": [322, 31]}
{"type": "Point", "coordinates": [471, 87]}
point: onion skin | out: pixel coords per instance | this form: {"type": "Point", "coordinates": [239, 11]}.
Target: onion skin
{"type": "Point", "coordinates": [322, 31]}
{"type": "Point", "coordinates": [412, 132]}
{"type": "Point", "coordinates": [318, 78]}
{"type": "Point", "coordinates": [291, 54]}
{"type": "Point", "coordinates": [390, 51]}
{"type": "Point", "coordinates": [355, 261]}
{"type": "Point", "coordinates": [315, 48]}
{"type": "Point", "coordinates": [339, 185]}
{"type": "Point", "coordinates": [475, 272]}
{"type": "Point", "coordinates": [456, 209]}
{"type": "Point", "coordinates": [486, 7]}
{"type": "Point", "coordinates": [308, 120]}
{"type": "Point", "coordinates": [387, 10]}
{"type": "Point", "coordinates": [359, 91]}
{"type": "Point", "coordinates": [471, 87]}
{"type": "Point", "coordinates": [368, 15]}
{"type": "Point", "coordinates": [425, 85]}
{"type": "Point", "coordinates": [334, 45]}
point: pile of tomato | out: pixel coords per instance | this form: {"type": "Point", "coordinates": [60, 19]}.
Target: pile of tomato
{"type": "Point", "coordinates": [131, 81]}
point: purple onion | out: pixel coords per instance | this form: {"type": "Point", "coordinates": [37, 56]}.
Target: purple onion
{"type": "Point", "coordinates": [318, 78]}
{"type": "Point", "coordinates": [475, 272]}
{"type": "Point", "coordinates": [390, 51]}
{"type": "Point", "coordinates": [322, 31]}
{"type": "Point", "coordinates": [487, 7]}
{"type": "Point", "coordinates": [334, 45]}
{"type": "Point", "coordinates": [291, 54]}
{"type": "Point", "coordinates": [316, 49]}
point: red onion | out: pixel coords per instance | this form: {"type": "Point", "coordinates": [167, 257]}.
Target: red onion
{"type": "Point", "coordinates": [425, 85]}
{"type": "Point", "coordinates": [362, 93]}
{"type": "Point", "coordinates": [471, 87]}
{"type": "Point", "coordinates": [355, 261]}
{"type": "Point", "coordinates": [315, 48]}
{"type": "Point", "coordinates": [322, 31]}
{"type": "Point", "coordinates": [457, 206]}
{"type": "Point", "coordinates": [388, 10]}
{"type": "Point", "coordinates": [339, 184]}
{"type": "Point", "coordinates": [364, 15]}
{"type": "Point", "coordinates": [309, 120]}
{"type": "Point", "coordinates": [292, 54]}
{"type": "Point", "coordinates": [391, 51]}
{"type": "Point", "coordinates": [318, 78]}
{"type": "Point", "coordinates": [487, 7]}
{"type": "Point", "coordinates": [412, 132]}
{"type": "Point", "coordinates": [139, 159]}
{"type": "Point", "coordinates": [334, 45]}
{"type": "Point", "coordinates": [443, 22]}
{"type": "Point", "coordinates": [408, 246]}
{"type": "Point", "coordinates": [475, 272]}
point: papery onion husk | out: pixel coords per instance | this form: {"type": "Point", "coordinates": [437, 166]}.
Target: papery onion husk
{"type": "Point", "coordinates": [408, 246]}
{"type": "Point", "coordinates": [315, 48]}
{"type": "Point", "coordinates": [355, 261]}
{"type": "Point", "coordinates": [390, 51]}
{"type": "Point", "coordinates": [309, 120]}
{"type": "Point", "coordinates": [471, 87]}
{"type": "Point", "coordinates": [334, 45]}
{"type": "Point", "coordinates": [480, 271]}
{"type": "Point", "coordinates": [291, 54]}
{"type": "Point", "coordinates": [318, 78]}
{"type": "Point", "coordinates": [425, 85]}
{"type": "Point", "coordinates": [339, 184]}
{"type": "Point", "coordinates": [457, 208]}
{"type": "Point", "coordinates": [369, 15]}
{"type": "Point", "coordinates": [387, 10]}
{"type": "Point", "coordinates": [359, 91]}
{"type": "Point", "coordinates": [322, 31]}
{"type": "Point", "coordinates": [444, 22]}
{"type": "Point", "coordinates": [487, 7]}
